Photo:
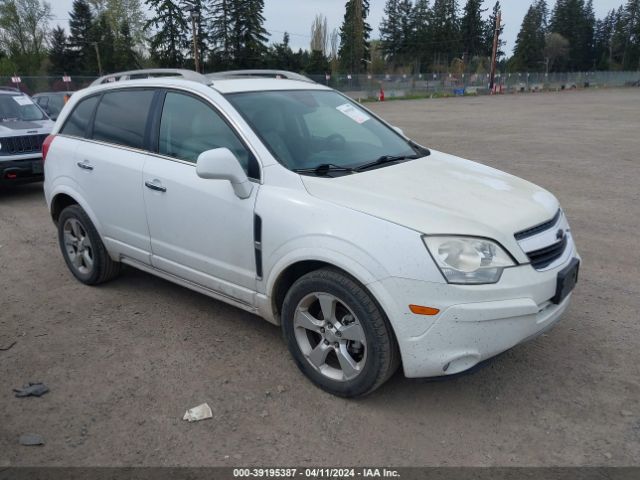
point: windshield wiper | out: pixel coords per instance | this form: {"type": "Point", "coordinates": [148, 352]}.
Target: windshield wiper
{"type": "Point", "coordinates": [323, 169]}
{"type": "Point", "coordinates": [384, 159]}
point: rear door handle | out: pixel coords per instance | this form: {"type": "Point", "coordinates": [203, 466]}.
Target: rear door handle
{"type": "Point", "coordinates": [154, 185]}
{"type": "Point", "coordinates": [85, 165]}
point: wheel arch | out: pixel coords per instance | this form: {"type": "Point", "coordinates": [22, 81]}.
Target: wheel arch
{"type": "Point", "coordinates": [62, 196]}
{"type": "Point", "coordinates": [59, 203]}
{"type": "Point", "coordinates": [285, 274]}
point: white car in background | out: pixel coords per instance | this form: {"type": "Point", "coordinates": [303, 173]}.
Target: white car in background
{"type": "Point", "coordinates": [23, 128]}
{"type": "Point", "coordinates": [285, 198]}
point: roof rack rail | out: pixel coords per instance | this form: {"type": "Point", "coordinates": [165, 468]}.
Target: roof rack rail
{"type": "Point", "coordinates": [151, 73]}
{"type": "Point", "coordinates": [10, 89]}
{"type": "Point", "coordinates": [259, 73]}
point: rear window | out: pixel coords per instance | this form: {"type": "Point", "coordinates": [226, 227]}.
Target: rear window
{"type": "Point", "coordinates": [121, 117]}
{"type": "Point", "coordinates": [76, 124]}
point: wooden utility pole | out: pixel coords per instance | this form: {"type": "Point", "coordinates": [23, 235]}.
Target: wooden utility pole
{"type": "Point", "coordinates": [196, 57]}
{"type": "Point", "coordinates": [494, 54]}
{"type": "Point", "coordinates": [95, 45]}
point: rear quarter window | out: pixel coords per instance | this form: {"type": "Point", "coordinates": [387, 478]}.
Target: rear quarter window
{"type": "Point", "coordinates": [121, 117]}
{"type": "Point", "coordinates": [76, 124]}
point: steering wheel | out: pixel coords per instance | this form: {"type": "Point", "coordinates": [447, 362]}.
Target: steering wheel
{"type": "Point", "coordinates": [335, 141]}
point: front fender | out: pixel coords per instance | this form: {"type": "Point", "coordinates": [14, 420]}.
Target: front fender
{"type": "Point", "coordinates": [334, 252]}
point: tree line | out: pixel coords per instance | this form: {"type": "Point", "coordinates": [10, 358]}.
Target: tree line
{"type": "Point", "coordinates": [415, 36]}
{"type": "Point", "coordinates": [570, 38]}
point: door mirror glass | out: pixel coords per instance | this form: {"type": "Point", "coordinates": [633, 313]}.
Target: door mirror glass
{"type": "Point", "coordinates": [222, 164]}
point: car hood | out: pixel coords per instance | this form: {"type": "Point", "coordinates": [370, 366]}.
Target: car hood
{"type": "Point", "coordinates": [21, 127]}
{"type": "Point", "coordinates": [442, 194]}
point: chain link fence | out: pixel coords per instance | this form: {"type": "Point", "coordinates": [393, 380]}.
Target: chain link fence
{"type": "Point", "coordinates": [445, 84]}
{"type": "Point", "coordinates": [38, 84]}
{"type": "Point", "coordinates": [396, 85]}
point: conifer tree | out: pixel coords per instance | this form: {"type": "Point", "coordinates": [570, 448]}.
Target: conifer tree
{"type": "Point", "coordinates": [59, 52]}
{"type": "Point", "coordinates": [81, 38]}
{"type": "Point", "coordinates": [221, 31]}
{"type": "Point", "coordinates": [472, 29]}
{"type": "Point", "coordinates": [575, 21]}
{"type": "Point", "coordinates": [422, 38]}
{"type": "Point", "coordinates": [405, 15]}
{"type": "Point", "coordinates": [168, 29]}
{"type": "Point", "coordinates": [248, 35]}
{"type": "Point", "coordinates": [354, 36]}
{"type": "Point", "coordinates": [631, 26]}
{"type": "Point", "coordinates": [390, 32]}
{"type": "Point", "coordinates": [528, 53]}
{"type": "Point", "coordinates": [125, 56]}
{"type": "Point", "coordinates": [445, 32]}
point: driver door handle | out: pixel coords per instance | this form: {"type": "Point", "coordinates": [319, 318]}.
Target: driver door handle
{"type": "Point", "coordinates": [155, 185]}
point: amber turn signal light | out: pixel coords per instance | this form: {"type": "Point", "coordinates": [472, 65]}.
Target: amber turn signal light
{"type": "Point", "coordinates": [420, 310]}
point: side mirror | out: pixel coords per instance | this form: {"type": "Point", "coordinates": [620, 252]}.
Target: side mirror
{"type": "Point", "coordinates": [398, 130]}
{"type": "Point", "coordinates": [222, 164]}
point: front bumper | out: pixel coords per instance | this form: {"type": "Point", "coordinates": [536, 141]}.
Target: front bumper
{"type": "Point", "coordinates": [469, 333]}
{"type": "Point", "coordinates": [24, 170]}
{"type": "Point", "coordinates": [474, 323]}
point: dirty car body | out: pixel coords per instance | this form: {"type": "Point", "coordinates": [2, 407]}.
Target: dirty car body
{"type": "Point", "coordinates": [289, 200]}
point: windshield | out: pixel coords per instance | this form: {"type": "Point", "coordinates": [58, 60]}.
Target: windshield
{"type": "Point", "coordinates": [19, 107]}
{"type": "Point", "coordinates": [308, 128]}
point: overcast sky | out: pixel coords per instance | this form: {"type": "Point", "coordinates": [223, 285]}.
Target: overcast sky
{"type": "Point", "coordinates": [295, 16]}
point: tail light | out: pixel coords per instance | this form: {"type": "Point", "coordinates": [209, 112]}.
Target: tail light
{"type": "Point", "coordinates": [45, 146]}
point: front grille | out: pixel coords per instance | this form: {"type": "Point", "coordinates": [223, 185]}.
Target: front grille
{"type": "Point", "coordinates": [546, 242]}
{"type": "Point", "coordinates": [21, 144]}
{"type": "Point", "coordinates": [530, 232]}
{"type": "Point", "coordinates": [546, 256]}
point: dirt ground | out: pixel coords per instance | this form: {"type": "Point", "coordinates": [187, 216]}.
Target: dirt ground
{"type": "Point", "coordinates": [126, 359]}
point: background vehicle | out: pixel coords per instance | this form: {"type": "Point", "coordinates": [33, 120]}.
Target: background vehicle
{"type": "Point", "coordinates": [52, 102]}
{"type": "Point", "coordinates": [289, 200]}
{"type": "Point", "coordinates": [23, 128]}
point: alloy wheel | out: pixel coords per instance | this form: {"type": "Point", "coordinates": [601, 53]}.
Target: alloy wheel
{"type": "Point", "coordinates": [330, 336]}
{"type": "Point", "coordinates": [78, 246]}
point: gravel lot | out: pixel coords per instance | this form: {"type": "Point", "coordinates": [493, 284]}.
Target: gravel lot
{"type": "Point", "coordinates": [126, 359]}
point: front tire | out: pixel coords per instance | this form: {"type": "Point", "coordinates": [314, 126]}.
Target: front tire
{"type": "Point", "coordinates": [82, 248]}
{"type": "Point", "coordinates": [337, 334]}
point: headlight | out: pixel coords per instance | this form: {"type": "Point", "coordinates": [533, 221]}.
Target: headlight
{"type": "Point", "coordinates": [468, 260]}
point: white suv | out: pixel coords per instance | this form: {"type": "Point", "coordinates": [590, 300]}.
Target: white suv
{"type": "Point", "coordinates": [285, 198]}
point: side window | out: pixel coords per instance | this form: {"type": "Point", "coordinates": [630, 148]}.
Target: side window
{"type": "Point", "coordinates": [189, 126]}
{"type": "Point", "coordinates": [56, 104]}
{"type": "Point", "coordinates": [121, 117]}
{"type": "Point", "coordinates": [76, 124]}
{"type": "Point", "coordinates": [42, 101]}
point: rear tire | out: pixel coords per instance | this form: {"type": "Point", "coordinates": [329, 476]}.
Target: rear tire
{"type": "Point", "coordinates": [82, 248]}
{"type": "Point", "coordinates": [337, 334]}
